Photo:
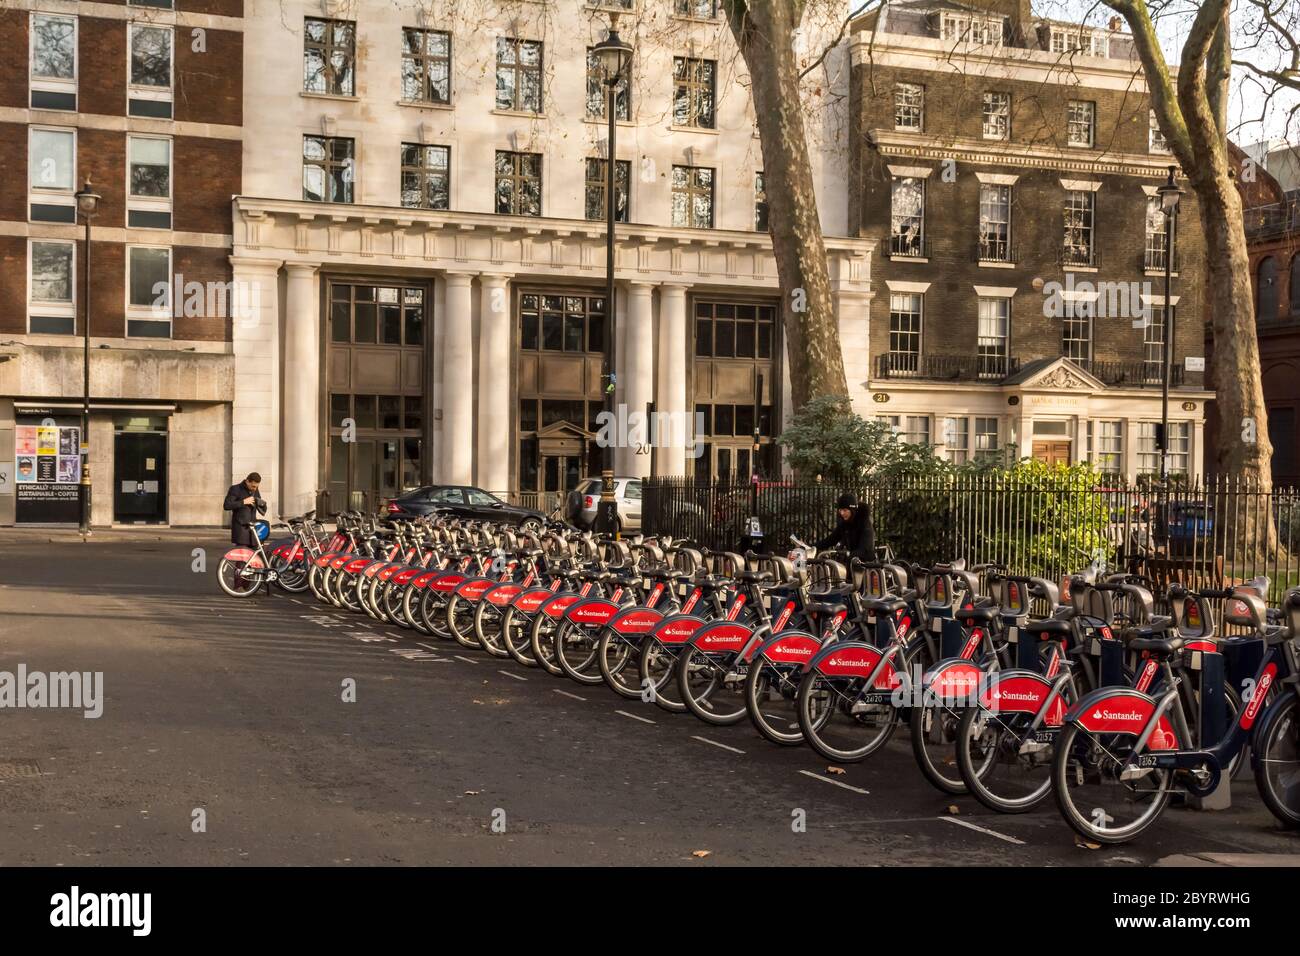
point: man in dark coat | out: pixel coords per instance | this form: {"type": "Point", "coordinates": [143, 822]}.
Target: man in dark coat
{"type": "Point", "coordinates": [244, 504]}
{"type": "Point", "coordinates": [853, 531]}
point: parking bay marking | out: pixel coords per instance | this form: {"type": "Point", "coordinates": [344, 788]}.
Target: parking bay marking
{"type": "Point", "coordinates": [846, 786]}
{"type": "Point", "coordinates": [467, 660]}
{"type": "Point", "coordinates": [972, 826]}
{"type": "Point", "coordinates": [567, 694]}
{"type": "Point", "coordinates": [644, 720]}
{"type": "Point", "coordinates": [706, 740]}
{"type": "Point", "coordinates": [514, 676]}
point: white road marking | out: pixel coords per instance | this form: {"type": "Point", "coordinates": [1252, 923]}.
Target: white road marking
{"type": "Point", "coordinates": [706, 740]}
{"type": "Point", "coordinates": [427, 647]}
{"type": "Point", "coordinates": [515, 676]}
{"type": "Point", "coordinates": [567, 694]}
{"type": "Point", "coordinates": [993, 833]}
{"type": "Point", "coordinates": [846, 786]}
{"type": "Point", "coordinates": [467, 660]}
{"type": "Point", "coordinates": [644, 720]}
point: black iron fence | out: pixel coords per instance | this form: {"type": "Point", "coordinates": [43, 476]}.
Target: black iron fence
{"type": "Point", "coordinates": [1204, 535]}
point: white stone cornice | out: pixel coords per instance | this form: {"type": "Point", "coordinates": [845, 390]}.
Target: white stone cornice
{"type": "Point", "coordinates": [1081, 185]}
{"type": "Point", "coordinates": [996, 179]}
{"type": "Point", "coordinates": [901, 145]}
{"type": "Point", "coordinates": [465, 242]}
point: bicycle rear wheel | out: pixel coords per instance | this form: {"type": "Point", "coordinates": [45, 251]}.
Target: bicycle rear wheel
{"type": "Point", "coordinates": [576, 653]}
{"type": "Point", "coordinates": [934, 744]}
{"type": "Point", "coordinates": [516, 631]}
{"type": "Point", "coordinates": [487, 628]}
{"type": "Point", "coordinates": [1003, 762]}
{"type": "Point", "coordinates": [712, 686]}
{"type": "Point", "coordinates": [657, 669]}
{"type": "Point", "coordinates": [237, 579]}
{"type": "Point", "coordinates": [840, 721]}
{"type": "Point", "coordinates": [1100, 799]}
{"type": "Point", "coordinates": [771, 696]}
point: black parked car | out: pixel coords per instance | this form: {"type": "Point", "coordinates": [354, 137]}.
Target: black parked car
{"type": "Point", "coordinates": [461, 501]}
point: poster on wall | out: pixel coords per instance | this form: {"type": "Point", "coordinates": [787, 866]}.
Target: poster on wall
{"type": "Point", "coordinates": [48, 470]}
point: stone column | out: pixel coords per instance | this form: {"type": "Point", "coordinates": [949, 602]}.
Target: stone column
{"type": "Point", "coordinates": [255, 335]}
{"type": "Point", "coordinates": [455, 456]}
{"type": "Point", "coordinates": [302, 362]}
{"type": "Point", "coordinates": [493, 418]}
{"type": "Point", "coordinates": [670, 394]}
{"type": "Point", "coordinates": [636, 370]}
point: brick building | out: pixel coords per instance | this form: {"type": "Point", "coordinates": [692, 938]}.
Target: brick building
{"type": "Point", "coordinates": [1008, 166]}
{"type": "Point", "coordinates": [144, 101]}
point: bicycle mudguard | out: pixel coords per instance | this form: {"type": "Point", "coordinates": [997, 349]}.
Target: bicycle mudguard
{"type": "Point", "coordinates": [405, 575]}
{"type": "Point", "coordinates": [636, 620]}
{"type": "Point", "coordinates": [530, 600]}
{"type": "Point", "coordinates": [447, 581]}
{"type": "Point", "coordinates": [342, 559]}
{"type": "Point", "coordinates": [422, 580]}
{"type": "Point", "coordinates": [328, 558]}
{"type": "Point", "coordinates": [953, 682]}
{"type": "Point", "coordinates": [789, 647]}
{"type": "Point", "coordinates": [1020, 691]}
{"type": "Point", "coordinates": [856, 659]}
{"type": "Point", "coordinates": [503, 594]}
{"type": "Point", "coordinates": [559, 603]}
{"type": "Point", "coordinates": [246, 555]}
{"type": "Point", "coordinates": [725, 637]}
{"type": "Point", "coordinates": [677, 629]}
{"type": "Point", "coordinates": [1111, 710]}
{"type": "Point", "coordinates": [357, 565]}
{"type": "Point", "coordinates": [474, 588]}
{"type": "Point", "coordinates": [387, 573]}
{"type": "Point", "coordinates": [594, 612]}
{"type": "Point", "coordinates": [374, 568]}
{"type": "Point", "coordinates": [1271, 713]}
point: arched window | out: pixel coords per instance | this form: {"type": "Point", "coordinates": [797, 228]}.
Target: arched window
{"type": "Point", "coordinates": [1266, 290]}
{"type": "Point", "coordinates": [1293, 286]}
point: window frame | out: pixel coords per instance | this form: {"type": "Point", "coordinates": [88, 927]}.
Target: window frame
{"type": "Point", "coordinates": [423, 59]}
{"type": "Point", "coordinates": [150, 204]}
{"type": "Point", "coordinates": [49, 308]}
{"type": "Point", "coordinates": [691, 86]}
{"type": "Point", "coordinates": [690, 191]}
{"type": "Point", "coordinates": [328, 163]}
{"type": "Point", "coordinates": [1004, 115]}
{"type": "Point", "coordinates": [623, 192]}
{"type": "Point", "coordinates": [1072, 122]}
{"type": "Point", "coordinates": [326, 47]}
{"type": "Point", "coordinates": [686, 14]}
{"type": "Point", "coordinates": [52, 84]}
{"type": "Point", "coordinates": [992, 247]}
{"type": "Point", "coordinates": [424, 172]}
{"type": "Point", "coordinates": [1156, 142]}
{"type": "Point", "coordinates": [901, 245]}
{"type": "Point", "coordinates": [1154, 330]}
{"type": "Point", "coordinates": [1077, 328]}
{"type": "Point", "coordinates": [979, 452]}
{"type": "Point", "coordinates": [622, 92]}
{"type": "Point", "coordinates": [899, 335]}
{"type": "Point", "coordinates": [147, 92]}
{"type": "Point", "coordinates": [58, 198]}
{"type": "Point", "coordinates": [1159, 244]}
{"type": "Point", "coordinates": [1075, 229]}
{"type": "Point", "coordinates": [137, 313]}
{"type": "Point", "coordinates": [761, 208]}
{"type": "Point", "coordinates": [517, 178]}
{"type": "Point", "coordinates": [997, 343]}
{"type": "Point", "coordinates": [909, 99]}
{"type": "Point", "coordinates": [520, 70]}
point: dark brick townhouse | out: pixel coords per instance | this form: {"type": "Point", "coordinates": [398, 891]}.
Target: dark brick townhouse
{"type": "Point", "coordinates": [1008, 167]}
{"type": "Point", "coordinates": [144, 101]}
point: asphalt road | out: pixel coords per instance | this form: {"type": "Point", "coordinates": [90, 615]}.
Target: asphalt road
{"type": "Point", "coordinates": [236, 708]}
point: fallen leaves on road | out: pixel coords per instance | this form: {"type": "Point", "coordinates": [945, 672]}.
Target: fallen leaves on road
{"type": "Point", "coordinates": [954, 810]}
{"type": "Point", "coordinates": [701, 854]}
{"type": "Point", "coordinates": [1083, 844]}
{"type": "Point", "coordinates": [838, 771]}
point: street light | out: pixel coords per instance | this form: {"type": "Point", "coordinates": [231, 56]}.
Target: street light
{"type": "Point", "coordinates": [87, 205]}
{"type": "Point", "coordinates": [1169, 194]}
{"type": "Point", "coordinates": [614, 56]}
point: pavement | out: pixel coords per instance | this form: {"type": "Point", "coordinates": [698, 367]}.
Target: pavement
{"type": "Point", "coordinates": [225, 739]}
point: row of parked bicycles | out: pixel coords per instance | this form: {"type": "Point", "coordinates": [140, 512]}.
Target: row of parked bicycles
{"type": "Point", "coordinates": [1013, 689]}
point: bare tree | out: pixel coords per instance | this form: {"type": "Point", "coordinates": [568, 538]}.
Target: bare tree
{"type": "Point", "coordinates": [1191, 109]}
{"type": "Point", "coordinates": [765, 32]}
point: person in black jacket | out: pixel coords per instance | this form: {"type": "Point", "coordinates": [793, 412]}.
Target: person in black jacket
{"type": "Point", "coordinates": [244, 504]}
{"type": "Point", "coordinates": [853, 531]}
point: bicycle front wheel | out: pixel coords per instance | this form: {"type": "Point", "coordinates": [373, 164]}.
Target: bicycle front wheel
{"type": "Point", "coordinates": [1277, 763]}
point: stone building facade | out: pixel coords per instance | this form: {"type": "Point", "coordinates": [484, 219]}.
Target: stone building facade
{"type": "Point", "coordinates": [145, 102]}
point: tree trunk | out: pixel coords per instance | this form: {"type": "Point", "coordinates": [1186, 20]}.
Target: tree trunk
{"type": "Point", "coordinates": [764, 32]}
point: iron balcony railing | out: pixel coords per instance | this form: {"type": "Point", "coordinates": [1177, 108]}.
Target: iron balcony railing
{"type": "Point", "coordinates": [941, 368]}
{"type": "Point", "coordinates": [908, 246]}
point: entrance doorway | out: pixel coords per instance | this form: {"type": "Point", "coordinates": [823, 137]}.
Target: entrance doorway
{"type": "Point", "coordinates": [140, 476]}
{"type": "Point", "coordinates": [1052, 452]}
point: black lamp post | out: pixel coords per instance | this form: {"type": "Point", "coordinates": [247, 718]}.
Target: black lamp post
{"type": "Point", "coordinates": [87, 205]}
{"type": "Point", "coordinates": [614, 56]}
{"type": "Point", "coordinates": [1169, 195]}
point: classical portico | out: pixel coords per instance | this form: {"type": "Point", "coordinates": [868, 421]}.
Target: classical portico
{"type": "Point", "coordinates": [472, 274]}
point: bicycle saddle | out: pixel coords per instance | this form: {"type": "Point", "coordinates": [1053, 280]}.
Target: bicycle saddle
{"type": "Point", "coordinates": [1047, 629]}
{"type": "Point", "coordinates": [982, 614]}
{"type": "Point", "coordinates": [753, 576]}
{"type": "Point", "coordinates": [1157, 646]}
